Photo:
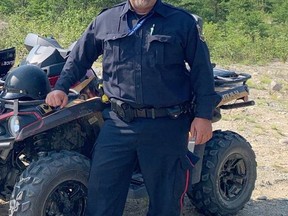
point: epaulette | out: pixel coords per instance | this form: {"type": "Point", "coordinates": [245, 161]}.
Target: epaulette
{"type": "Point", "coordinates": [103, 9]}
{"type": "Point", "coordinates": [198, 20]}
{"type": "Point", "coordinates": [120, 4]}
{"type": "Point", "coordinates": [117, 5]}
{"type": "Point", "coordinates": [176, 8]}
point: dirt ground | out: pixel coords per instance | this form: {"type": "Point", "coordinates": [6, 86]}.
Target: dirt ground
{"type": "Point", "coordinates": [265, 126]}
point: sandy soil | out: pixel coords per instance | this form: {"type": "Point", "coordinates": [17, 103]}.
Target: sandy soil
{"type": "Point", "coordinates": [265, 126]}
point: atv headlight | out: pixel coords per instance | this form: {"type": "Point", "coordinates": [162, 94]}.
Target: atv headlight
{"type": "Point", "coordinates": [14, 125]}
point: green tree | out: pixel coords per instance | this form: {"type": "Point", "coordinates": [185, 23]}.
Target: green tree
{"type": "Point", "coordinates": [279, 12]}
{"type": "Point", "coordinates": [210, 10]}
{"type": "Point", "coordinates": [246, 16]}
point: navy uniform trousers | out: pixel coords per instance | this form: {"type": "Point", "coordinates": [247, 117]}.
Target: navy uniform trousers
{"type": "Point", "coordinates": [160, 147]}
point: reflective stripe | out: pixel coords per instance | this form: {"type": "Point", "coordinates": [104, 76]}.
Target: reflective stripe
{"type": "Point", "coordinates": [185, 190]}
{"type": "Point", "coordinates": [190, 161]}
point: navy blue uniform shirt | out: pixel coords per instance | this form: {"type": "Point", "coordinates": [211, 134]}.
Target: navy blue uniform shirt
{"type": "Point", "coordinates": [145, 65]}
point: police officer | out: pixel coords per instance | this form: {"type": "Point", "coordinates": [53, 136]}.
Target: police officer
{"type": "Point", "coordinates": [145, 45]}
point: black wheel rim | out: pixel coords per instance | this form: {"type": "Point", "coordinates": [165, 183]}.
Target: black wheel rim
{"type": "Point", "coordinates": [232, 177]}
{"type": "Point", "coordinates": [67, 199]}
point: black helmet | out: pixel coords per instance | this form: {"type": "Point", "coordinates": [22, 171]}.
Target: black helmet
{"type": "Point", "coordinates": [7, 59]}
{"type": "Point", "coordinates": [26, 82]}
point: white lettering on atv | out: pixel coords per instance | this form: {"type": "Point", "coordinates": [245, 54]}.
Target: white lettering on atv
{"type": "Point", "coordinates": [6, 63]}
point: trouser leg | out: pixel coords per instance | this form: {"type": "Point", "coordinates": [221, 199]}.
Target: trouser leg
{"type": "Point", "coordinates": [164, 165]}
{"type": "Point", "coordinates": [112, 165]}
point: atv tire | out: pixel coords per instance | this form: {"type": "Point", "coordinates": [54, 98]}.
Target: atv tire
{"type": "Point", "coordinates": [56, 184]}
{"type": "Point", "coordinates": [228, 175]}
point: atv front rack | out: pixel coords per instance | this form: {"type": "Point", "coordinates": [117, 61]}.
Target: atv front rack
{"type": "Point", "coordinates": [16, 103]}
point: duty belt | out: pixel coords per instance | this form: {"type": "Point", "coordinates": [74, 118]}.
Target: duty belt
{"type": "Point", "coordinates": [127, 113]}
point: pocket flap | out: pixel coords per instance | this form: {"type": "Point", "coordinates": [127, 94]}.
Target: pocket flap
{"type": "Point", "coordinates": [160, 38]}
{"type": "Point", "coordinates": [114, 36]}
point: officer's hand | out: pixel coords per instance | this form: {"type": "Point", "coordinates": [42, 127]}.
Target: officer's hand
{"type": "Point", "coordinates": [57, 98]}
{"type": "Point", "coordinates": [201, 130]}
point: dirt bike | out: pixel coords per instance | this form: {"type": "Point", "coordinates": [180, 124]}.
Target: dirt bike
{"type": "Point", "coordinates": [45, 154]}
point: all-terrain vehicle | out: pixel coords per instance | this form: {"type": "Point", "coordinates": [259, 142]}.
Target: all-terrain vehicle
{"type": "Point", "coordinates": [45, 153]}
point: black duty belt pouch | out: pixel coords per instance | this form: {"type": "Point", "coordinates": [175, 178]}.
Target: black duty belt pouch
{"type": "Point", "coordinates": [174, 112]}
{"type": "Point", "coordinates": [123, 110]}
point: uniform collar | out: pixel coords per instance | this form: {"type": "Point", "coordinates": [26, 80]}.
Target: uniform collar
{"type": "Point", "coordinates": [159, 8]}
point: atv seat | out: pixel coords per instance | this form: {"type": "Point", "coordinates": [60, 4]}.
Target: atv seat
{"type": "Point", "coordinates": [32, 40]}
{"type": "Point", "coordinates": [224, 77]}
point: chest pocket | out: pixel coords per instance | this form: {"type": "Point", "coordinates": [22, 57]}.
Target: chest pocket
{"type": "Point", "coordinates": [111, 47]}
{"type": "Point", "coordinates": [165, 49]}
{"type": "Point", "coordinates": [120, 47]}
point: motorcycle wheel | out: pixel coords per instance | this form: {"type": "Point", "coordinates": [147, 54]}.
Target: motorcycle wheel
{"type": "Point", "coordinates": [228, 175]}
{"type": "Point", "coordinates": [56, 184]}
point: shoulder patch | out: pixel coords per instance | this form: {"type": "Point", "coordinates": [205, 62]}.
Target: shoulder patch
{"type": "Point", "coordinates": [200, 33]}
{"type": "Point", "coordinates": [199, 25]}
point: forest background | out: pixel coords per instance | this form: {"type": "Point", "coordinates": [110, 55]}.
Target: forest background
{"type": "Point", "coordinates": [237, 31]}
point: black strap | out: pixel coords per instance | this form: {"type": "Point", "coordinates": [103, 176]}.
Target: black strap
{"type": "Point", "coordinates": [128, 113]}
{"type": "Point", "coordinates": [151, 113]}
